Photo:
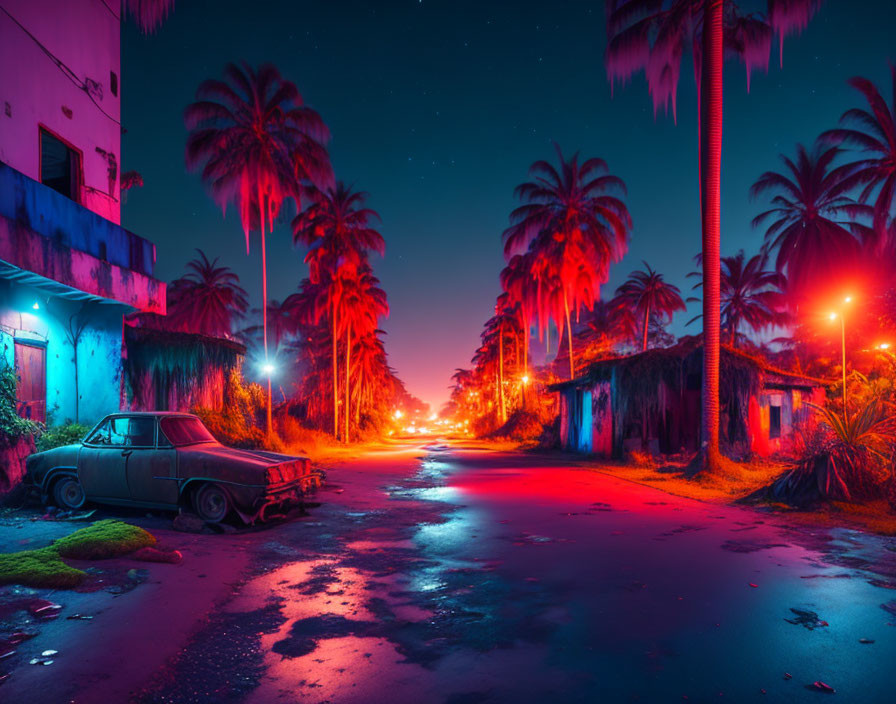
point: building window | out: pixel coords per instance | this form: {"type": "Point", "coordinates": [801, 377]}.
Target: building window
{"type": "Point", "coordinates": [774, 422]}
{"type": "Point", "coordinates": [60, 166]}
{"type": "Point", "coordinates": [31, 386]}
{"type": "Point", "coordinates": [113, 82]}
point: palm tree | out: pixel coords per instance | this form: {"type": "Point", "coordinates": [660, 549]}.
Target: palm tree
{"type": "Point", "coordinates": [363, 303]}
{"type": "Point", "coordinates": [148, 14]}
{"type": "Point", "coordinates": [257, 145]}
{"type": "Point", "coordinates": [653, 35]}
{"type": "Point", "coordinates": [521, 289]}
{"type": "Point", "coordinates": [751, 294]}
{"type": "Point", "coordinates": [337, 227]}
{"type": "Point", "coordinates": [645, 294]}
{"type": "Point", "coordinates": [207, 298]}
{"type": "Point", "coordinates": [574, 226]}
{"type": "Point", "coordinates": [813, 223]}
{"type": "Point", "coordinates": [872, 132]}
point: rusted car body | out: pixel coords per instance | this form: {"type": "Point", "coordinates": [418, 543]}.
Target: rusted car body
{"type": "Point", "coordinates": [169, 460]}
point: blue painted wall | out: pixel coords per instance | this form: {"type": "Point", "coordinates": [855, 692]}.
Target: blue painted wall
{"type": "Point", "coordinates": [99, 350]}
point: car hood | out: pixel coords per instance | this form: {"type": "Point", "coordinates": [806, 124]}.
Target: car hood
{"type": "Point", "coordinates": [249, 466]}
{"type": "Point", "coordinates": [214, 451]}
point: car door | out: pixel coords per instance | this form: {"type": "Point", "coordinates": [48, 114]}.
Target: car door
{"type": "Point", "coordinates": [102, 462]}
{"type": "Point", "coordinates": [152, 465]}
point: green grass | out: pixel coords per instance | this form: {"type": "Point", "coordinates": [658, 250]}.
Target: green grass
{"type": "Point", "coordinates": [44, 567]}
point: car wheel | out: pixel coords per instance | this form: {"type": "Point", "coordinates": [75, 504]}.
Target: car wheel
{"type": "Point", "coordinates": [68, 493]}
{"type": "Point", "coordinates": [211, 503]}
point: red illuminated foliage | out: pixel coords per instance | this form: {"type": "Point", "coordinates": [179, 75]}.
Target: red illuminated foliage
{"type": "Point", "coordinates": [574, 225]}
{"type": "Point", "coordinates": [257, 145]}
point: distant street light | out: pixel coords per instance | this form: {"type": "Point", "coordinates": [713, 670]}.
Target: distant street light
{"type": "Point", "coordinates": [833, 316]}
{"type": "Point", "coordinates": [525, 379]}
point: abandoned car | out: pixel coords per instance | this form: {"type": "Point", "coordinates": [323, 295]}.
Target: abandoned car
{"type": "Point", "coordinates": [169, 461]}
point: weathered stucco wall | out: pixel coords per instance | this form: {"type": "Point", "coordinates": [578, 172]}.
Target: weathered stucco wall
{"type": "Point", "coordinates": [98, 382]}
{"type": "Point", "coordinates": [85, 36]}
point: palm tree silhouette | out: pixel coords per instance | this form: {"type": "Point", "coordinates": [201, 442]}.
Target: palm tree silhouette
{"type": "Point", "coordinates": [207, 299]}
{"type": "Point", "coordinates": [646, 294]}
{"type": "Point", "coordinates": [813, 224]}
{"type": "Point", "coordinates": [256, 145]}
{"type": "Point", "coordinates": [751, 294]}
{"type": "Point", "coordinates": [872, 132]}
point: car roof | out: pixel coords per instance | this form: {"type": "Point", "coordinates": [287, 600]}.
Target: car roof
{"type": "Point", "coordinates": [153, 414]}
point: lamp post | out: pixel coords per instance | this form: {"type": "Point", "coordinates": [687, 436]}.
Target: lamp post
{"type": "Point", "coordinates": [842, 317]}
{"type": "Point", "coordinates": [268, 370]}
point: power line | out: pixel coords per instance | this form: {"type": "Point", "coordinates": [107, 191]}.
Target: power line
{"type": "Point", "coordinates": [66, 71]}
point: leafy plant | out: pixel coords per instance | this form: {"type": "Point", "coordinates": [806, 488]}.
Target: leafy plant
{"type": "Point", "coordinates": [68, 434]}
{"type": "Point", "coordinates": [12, 425]}
{"type": "Point", "coordinates": [845, 457]}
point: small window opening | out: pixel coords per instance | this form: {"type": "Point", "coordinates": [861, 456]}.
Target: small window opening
{"type": "Point", "coordinates": [774, 422]}
{"type": "Point", "coordinates": [60, 166]}
{"type": "Point", "coordinates": [113, 82]}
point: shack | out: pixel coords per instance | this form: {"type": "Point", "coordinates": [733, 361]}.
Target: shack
{"type": "Point", "coordinates": [651, 402]}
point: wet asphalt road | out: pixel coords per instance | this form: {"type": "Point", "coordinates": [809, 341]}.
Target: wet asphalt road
{"type": "Point", "coordinates": [439, 573]}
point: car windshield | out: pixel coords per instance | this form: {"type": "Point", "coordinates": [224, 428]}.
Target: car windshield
{"type": "Point", "coordinates": [185, 431]}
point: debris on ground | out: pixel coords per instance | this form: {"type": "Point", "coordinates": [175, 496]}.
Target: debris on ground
{"type": "Point", "coordinates": [866, 641]}
{"type": "Point", "coordinates": [820, 686]}
{"type": "Point", "coordinates": [43, 609]}
{"type": "Point", "coordinates": [156, 554]}
{"type": "Point", "coordinates": [188, 523]}
{"type": "Point", "coordinates": [807, 619]}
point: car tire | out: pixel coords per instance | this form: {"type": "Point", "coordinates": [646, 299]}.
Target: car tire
{"type": "Point", "coordinates": [211, 503]}
{"type": "Point", "coordinates": [68, 494]}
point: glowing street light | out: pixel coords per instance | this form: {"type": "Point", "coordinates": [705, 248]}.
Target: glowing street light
{"type": "Point", "coordinates": [398, 414]}
{"type": "Point", "coordinates": [833, 316]}
{"type": "Point", "coordinates": [268, 369]}
{"type": "Point", "coordinates": [525, 379]}
{"type": "Point", "coordinates": [883, 346]}
{"type": "Point", "coordinates": [36, 306]}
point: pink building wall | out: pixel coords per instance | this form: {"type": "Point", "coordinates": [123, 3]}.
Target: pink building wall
{"type": "Point", "coordinates": [85, 36]}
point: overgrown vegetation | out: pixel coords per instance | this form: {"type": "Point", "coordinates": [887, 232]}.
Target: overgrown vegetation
{"type": "Point", "coordinates": [44, 567]}
{"type": "Point", "coordinates": [845, 457]}
{"type": "Point", "coordinates": [238, 422]}
{"type": "Point", "coordinates": [12, 426]}
{"type": "Point", "coordinates": [61, 435]}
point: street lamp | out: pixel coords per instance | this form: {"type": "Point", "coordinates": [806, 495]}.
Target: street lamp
{"type": "Point", "coordinates": [833, 316]}
{"type": "Point", "coordinates": [268, 369]}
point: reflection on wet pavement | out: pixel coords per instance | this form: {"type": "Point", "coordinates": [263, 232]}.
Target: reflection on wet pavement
{"type": "Point", "coordinates": [486, 578]}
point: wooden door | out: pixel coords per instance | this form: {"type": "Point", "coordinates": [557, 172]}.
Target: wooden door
{"type": "Point", "coordinates": [31, 389]}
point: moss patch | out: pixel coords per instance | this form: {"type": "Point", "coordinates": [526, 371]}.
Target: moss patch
{"type": "Point", "coordinates": [38, 568]}
{"type": "Point", "coordinates": [44, 567]}
{"type": "Point", "coordinates": [103, 539]}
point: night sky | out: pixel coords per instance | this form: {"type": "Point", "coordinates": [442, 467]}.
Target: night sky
{"type": "Point", "coordinates": [438, 107]}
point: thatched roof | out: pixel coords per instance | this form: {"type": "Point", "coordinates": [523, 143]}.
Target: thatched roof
{"type": "Point", "coordinates": [647, 369]}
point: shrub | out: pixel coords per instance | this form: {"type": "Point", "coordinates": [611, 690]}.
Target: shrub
{"type": "Point", "coordinates": [842, 458]}
{"type": "Point", "coordinates": [58, 436]}
{"type": "Point", "coordinates": [12, 426]}
{"type": "Point", "coordinates": [522, 425]}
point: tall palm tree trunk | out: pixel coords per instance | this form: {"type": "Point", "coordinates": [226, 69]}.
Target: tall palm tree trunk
{"type": "Point", "coordinates": [646, 326]}
{"type": "Point", "coordinates": [501, 374]}
{"type": "Point", "coordinates": [572, 372]}
{"type": "Point", "coordinates": [264, 307]}
{"type": "Point", "coordinates": [348, 364]}
{"type": "Point", "coordinates": [335, 380]}
{"type": "Point", "coordinates": [710, 202]}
